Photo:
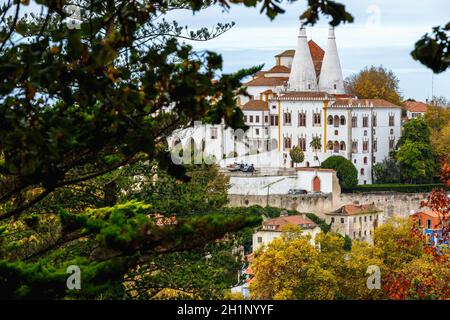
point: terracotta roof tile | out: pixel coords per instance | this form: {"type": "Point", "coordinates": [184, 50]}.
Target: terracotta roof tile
{"type": "Point", "coordinates": [279, 69]}
{"type": "Point", "coordinates": [377, 103]}
{"type": "Point", "coordinates": [416, 106]}
{"type": "Point", "coordinates": [279, 222]}
{"type": "Point", "coordinates": [254, 105]}
{"type": "Point", "coordinates": [352, 209]}
{"type": "Point", "coordinates": [267, 82]}
{"type": "Point", "coordinates": [305, 95]}
{"type": "Point", "coordinates": [429, 213]}
{"type": "Point", "coordinates": [317, 54]}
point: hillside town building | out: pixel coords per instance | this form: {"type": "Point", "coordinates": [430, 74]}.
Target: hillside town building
{"type": "Point", "coordinates": [273, 228]}
{"type": "Point", "coordinates": [415, 109]}
{"type": "Point", "coordinates": [299, 99]}
{"type": "Point", "coordinates": [356, 221]}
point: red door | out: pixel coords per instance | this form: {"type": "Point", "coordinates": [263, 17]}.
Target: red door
{"type": "Point", "coordinates": [316, 184]}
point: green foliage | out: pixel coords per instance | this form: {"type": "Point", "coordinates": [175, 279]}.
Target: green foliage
{"type": "Point", "coordinates": [296, 154]}
{"type": "Point", "coordinates": [325, 227]}
{"type": "Point", "coordinates": [387, 171]}
{"type": "Point", "coordinates": [415, 130]}
{"type": "Point", "coordinates": [415, 155]}
{"type": "Point", "coordinates": [345, 170]}
{"type": "Point", "coordinates": [347, 243]}
{"type": "Point", "coordinates": [405, 188]}
{"type": "Point", "coordinates": [433, 50]}
{"type": "Point", "coordinates": [416, 161]}
{"type": "Point", "coordinates": [206, 191]}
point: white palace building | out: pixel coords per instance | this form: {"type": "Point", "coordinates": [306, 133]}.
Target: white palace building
{"type": "Point", "coordinates": [300, 98]}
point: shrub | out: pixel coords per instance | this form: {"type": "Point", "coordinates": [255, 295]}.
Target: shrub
{"type": "Point", "coordinates": [406, 188]}
{"type": "Point", "coordinates": [345, 170]}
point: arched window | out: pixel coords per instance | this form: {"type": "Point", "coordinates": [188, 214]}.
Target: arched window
{"type": "Point", "coordinates": [302, 143]}
{"type": "Point", "coordinates": [362, 171]}
{"type": "Point", "coordinates": [336, 121]}
{"type": "Point", "coordinates": [365, 160]}
{"type": "Point", "coordinates": [302, 119]}
{"type": "Point", "coordinates": [342, 121]}
{"type": "Point", "coordinates": [330, 120]}
{"type": "Point", "coordinates": [342, 146]}
{"type": "Point", "coordinates": [329, 145]}
{"type": "Point", "coordinates": [336, 146]}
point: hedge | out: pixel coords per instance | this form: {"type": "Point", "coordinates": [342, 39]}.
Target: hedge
{"type": "Point", "coordinates": [405, 188]}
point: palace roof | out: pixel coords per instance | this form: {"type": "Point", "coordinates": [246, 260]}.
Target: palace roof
{"type": "Point", "coordinates": [256, 105]}
{"type": "Point", "coordinates": [317, 54]}
{"type": "Point", "coordinates": [278, 69]}
{"type": "Point", "coordinates": [267, 82]}
{"type": "Point", "coordinates": [306, 95]}
{"type": "Point", "coordinates": [364, 103]}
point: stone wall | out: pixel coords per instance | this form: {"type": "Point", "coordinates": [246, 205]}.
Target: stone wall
{"type": "Point", "coordinates": [392, 203]}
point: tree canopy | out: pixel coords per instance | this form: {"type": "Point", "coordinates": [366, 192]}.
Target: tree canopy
{"type": "Point", "coordinates": [345, 171]}
{"type": "Point", "coordinates": [374, 83]}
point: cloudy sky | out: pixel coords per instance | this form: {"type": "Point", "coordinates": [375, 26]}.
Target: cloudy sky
{"type": "Point", "coordinates": [383, 33]}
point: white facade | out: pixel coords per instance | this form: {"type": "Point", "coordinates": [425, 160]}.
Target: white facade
{"type": "Point", "coordinates": [280, 184]}
{"type": "Point", "coordinates": [264, 237]}
{"type": "Point", "coordinates": [285, 110]}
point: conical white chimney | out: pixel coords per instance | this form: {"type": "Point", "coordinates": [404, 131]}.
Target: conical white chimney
{"type": "Point", "coordinates": [330, 79]}
{"type": "Point", "coordinates": [303, 75]}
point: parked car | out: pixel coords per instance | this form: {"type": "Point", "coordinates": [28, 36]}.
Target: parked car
{"type": "Point", "coordinates": [295, 192]}
{"type": "Point", "coordinates": [247, 168]}
{"type": "Point", "coordinates": [234, 167]}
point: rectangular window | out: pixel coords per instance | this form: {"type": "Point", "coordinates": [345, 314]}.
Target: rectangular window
{"type": "Point", "coordinates": [287, 143]}
{"type": "Point", "coordinates": [213, 133]}
{"type": "Point", "coordinates": [428, 224]}
{"type": "Point", "coordinates": [355, 146]}
{"type": "Point", "coordinates": [266, 119]}
{"type": "Point", "coordinates": [259, 239]}
{"type": "Point", "coordinates": [302, 119]}
{"type": "Point", "coordinates": [257, 132]}
{"type": "Point", "coordinates": [245, 118]}
{"type": "Point", "coordinates": [302, 143]}
{"type": "Point", "coordinates": [316, 119]}
{"type": "Point", "coordinates": [365, 146]}
{"type": "Point", "coordinates": [251, 119]}
{"type": "Point", "coordinates": [365, 121]}
{"type": "Point", "coordinates": [287, 118]}
{"type": "Point", "coordinates": [375, 145]}
{"type": "Point", "coordinates": [274, 120]}
{"type": "Point", "coordinates": [342, 220]}
{"type": "Point", "coordinates": [332, 220]}
{"type": "Point", "coordinates": [354, 122]}
{"type": "Point", "coordinates": [257, 119]}
{"type": "Point", "coordinates": [374, 120]}
{"type": "Point", "coordinates": [391, 121]}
